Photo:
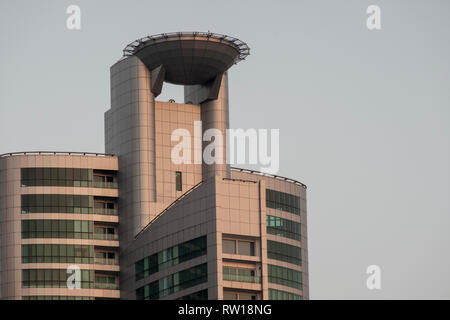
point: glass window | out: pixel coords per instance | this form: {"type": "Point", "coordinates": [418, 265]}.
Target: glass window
{"type": "Point", "coordinates": [170, 257]}
{"type": "Point", "coordinates": [283, 227]}
{"type": "Point", "coordinates": [199, 295]}
{"type": "Point", "coordinates": [70, 177]}
{"type": "Point", "coordinates": [173, 283]}
{"type": "Point", "coordinates": [179, 182]}
{"type": "Point", "coordinates": [56, 203]}
{"type": "Point", "coordinates": [230, 296]}
{"type": "Point", "coordinates": [240, 274]}
{"type": "Point", "coordinates": [57, 253]}
{"type": "Point", "coordinates": [247, 296]}
{"type": "Point", "coordinates": [229, 246]}
{"type": "Point", "coordinates": [100, 179]}
{"type": "Point", "coordinates": [246, 248]}
{"type": "Point", "coordinates": [284, 252]}
{"type": "Point", "coordinates": [282, 201]}
{"type": "Point", "coordinates": [285, 276]}
{"type": "Point", "coordinates": [283, 295]}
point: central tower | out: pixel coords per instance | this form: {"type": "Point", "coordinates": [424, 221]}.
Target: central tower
{"type": "Point", "coordinates": [199, 61]}
{"type": "Point", "coordinates": [198, 230]}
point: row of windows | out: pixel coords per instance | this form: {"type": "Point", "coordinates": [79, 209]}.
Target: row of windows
{"type": "Point", "coordinates": [66, 203]}
{"type": "Point", "coordinates": [282, 201]}
{"type": "Point", "coordinates": [283, 227]}
{"type": "Point", "coordinates": [173, 283]}
{"type": "Point", "coordinates": [170, 257]}
{"type": "Point", "coordinates": [284, 252]}
{"type": "Point", "coordinates": [57, 203]}
{"type": "Point", "coordinates": [54, 278]}
{"type": "Point", "coordinates": [65, 177]}
{"type": "Point", "coordinates": [283, 295]}
{"type": "Point", "coordinates": [106, 282]}
{"type": "Point", "coordinates": [242, 247]}
{"type": "Point", "coordinates": [199, 295]}
{"type": "Point", "coordinates": [240, 274]}
{"type": "Point", "coordinates": [56, 298]}
{"type": "Point", "coordinates": [56, 174]}
{"type": "Point", "coordinates": [57, 253]}
{"type": "Point", "coordinates": [62, 229]}
{"type": "Point", "coordinates": [231, 295]}
{"type": "Point", "coordinates": [285, 276]}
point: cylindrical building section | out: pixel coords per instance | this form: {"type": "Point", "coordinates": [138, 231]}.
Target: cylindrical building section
{"type": "Point", "coordinates": [58, 212]}
{"type": "Point", "coordinates": [130, 134]}
{"type": "Point", "coordinates": [215, 115]}
{"type": "Point", "coordinates": [213, 100]}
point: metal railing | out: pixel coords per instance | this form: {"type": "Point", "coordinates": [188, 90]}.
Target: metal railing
{"type": "Point", "coordinates": [67, 153]}
{"type": "Point", "coordinates": [105, 185]}
{"type": "Point", "coordinates": [75, 184]}
{"type": "Point", "coordinates": [105, 236]}
{"type": "Point", "coordinates": [107, 286]}
{"type": "Point", "coordinates": [269, 175]}
{"type": "Point", "coordinates": [106, 261]}
{"type": "Point", "coordinates": [241, 46]}
{"type": "Point", "coordinates": [104, 211]}
{"type": "Point", "coordinates": [241, 278]}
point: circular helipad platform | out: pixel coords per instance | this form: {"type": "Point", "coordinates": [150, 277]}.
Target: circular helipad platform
{"type": "Point", "coordinates": [189, 57]}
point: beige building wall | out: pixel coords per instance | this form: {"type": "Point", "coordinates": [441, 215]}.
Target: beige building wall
{"type": "Point", "coordinates": [223, 208]}
{"type": "Point", "coordinates": [289, 186]}
{"type": "Point", "coordinates": [170, 116]}
{"type": "Point", "coordinates": [191, 217]}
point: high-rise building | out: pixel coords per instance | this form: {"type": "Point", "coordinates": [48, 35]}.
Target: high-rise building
{"type": "Point", "coordinates": [140, 225]}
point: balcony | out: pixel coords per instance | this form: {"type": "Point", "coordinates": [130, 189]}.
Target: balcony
{"type": "Point", "coordinates": [106, 236]}
{"type": "Point", "coordinates": [69, 183]}
{"type": "Point", "coordinates": [104, 185]}
{"type": "Point", "coordinates": [241, 278]}
{"type": "Point", "coordinates": [106, 211]}
{"type": "Point", "coordinates": [106, 261]}
{"type": "Point", "coordinates": [106, 286]}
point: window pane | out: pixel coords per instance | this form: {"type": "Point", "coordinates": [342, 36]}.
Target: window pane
{"type": "Point", "coordinates": [229, 296]}
{"type": "Point", "coordinates": [246, 248]}
{"type": "Point", "coordinates": [229, 246]}
{"type": "Point", "coordinates": [178, 181]}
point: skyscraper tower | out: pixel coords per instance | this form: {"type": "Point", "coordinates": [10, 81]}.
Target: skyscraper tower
{"type": "Point", "coordinates": [163, 206]}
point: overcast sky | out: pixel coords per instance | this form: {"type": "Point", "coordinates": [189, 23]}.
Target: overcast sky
{"type": "Point", "coordinates": [364, 116]}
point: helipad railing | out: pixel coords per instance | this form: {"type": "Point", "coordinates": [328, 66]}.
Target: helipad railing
{"type": "Point", "coordinates": [67, 153]}
{"type": "Point", "coordinates": [134, 46]}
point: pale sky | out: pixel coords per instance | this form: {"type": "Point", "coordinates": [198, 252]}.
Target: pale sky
{"type": "Point", "coordinates": [364, 116]}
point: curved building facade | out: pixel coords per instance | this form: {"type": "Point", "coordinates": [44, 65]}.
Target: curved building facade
{"type": "Point", "coordinates": [58, 210]}
{"type": "Point", "coordinates": [140, 225]}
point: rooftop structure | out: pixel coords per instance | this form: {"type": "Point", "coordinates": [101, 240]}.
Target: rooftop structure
{"type": "Point", "coordinates": [188, 58]}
